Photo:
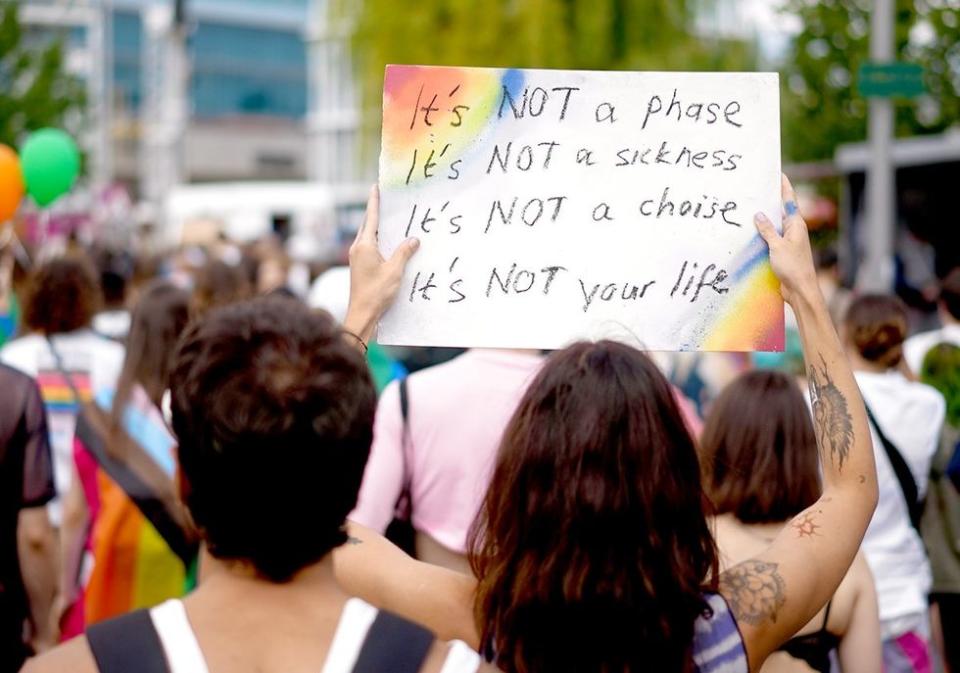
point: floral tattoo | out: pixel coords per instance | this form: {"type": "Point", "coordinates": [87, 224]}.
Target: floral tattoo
{"type": "Point", "coordinates": [755, 591]}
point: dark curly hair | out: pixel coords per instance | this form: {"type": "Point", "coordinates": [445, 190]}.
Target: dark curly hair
{"type": "Point", "coordinates": [592, 549]}
{"type": "Point", "coordinates": [62, 296]}
{"type": "Point", "coordinates": [273, 411]}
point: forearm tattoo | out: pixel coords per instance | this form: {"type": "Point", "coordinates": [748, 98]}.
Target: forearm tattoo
{"type": "Point", "coordinates": [755, 591]}
{"type": "Point", "coordinates": [831, 416]}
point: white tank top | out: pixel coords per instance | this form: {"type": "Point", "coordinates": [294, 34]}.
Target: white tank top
{"type": "Point", "coordinates": [184, 654]}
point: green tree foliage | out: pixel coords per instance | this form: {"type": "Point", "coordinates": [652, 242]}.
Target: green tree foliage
{"type": "Point", "coordinates": [583, 34]}
{"type": "Point", "coordinates": [35, 91]}
{"type": "Point", "coordinates": [821, 106]}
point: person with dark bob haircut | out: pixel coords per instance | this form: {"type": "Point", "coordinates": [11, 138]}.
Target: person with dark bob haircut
{"type": "Point", "coordinates": [593, 553]}
{"type": "Point", "coordinates": [906, 418]}
{"type": "Point", "coordinates": [759, 457]}
{"type": "Point", "coordinates": [61, 300]}
{"type": "Point", "coordinates": [273, 410]}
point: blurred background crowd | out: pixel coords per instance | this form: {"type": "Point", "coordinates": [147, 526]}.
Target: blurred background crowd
{"type": "Point", "coordinates": [211, 151]}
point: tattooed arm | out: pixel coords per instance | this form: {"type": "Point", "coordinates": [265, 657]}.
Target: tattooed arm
{"type": "Point", "coordinates": [776, 593]}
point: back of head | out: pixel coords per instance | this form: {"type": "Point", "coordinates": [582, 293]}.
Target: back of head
{"type": "Point", "coordinates": [941, 369]}
{"type": "Point", "coordinates": [273, 411]}
{"type": "Point", "coordinates": [950, 294]}
{"type": "Point", "coordinates": [218, 284]}
{"type": "Point", "coordinates": [592, 546]}
{"type": "Point", "coordinates": [876, 325]}
{"type": "Point", "coordinates": [158, 320]}
{"type": "Point", "coordinates": [62, 296]}
{"type": "Point", "coordinates": [759, 451]}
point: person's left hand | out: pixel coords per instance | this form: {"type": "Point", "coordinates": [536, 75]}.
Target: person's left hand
{"type": "Point", "coordinates": [374, 281]}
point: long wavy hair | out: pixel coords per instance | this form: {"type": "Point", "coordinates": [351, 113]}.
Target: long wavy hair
{"type": "Point", "coordinates": [592, 549]}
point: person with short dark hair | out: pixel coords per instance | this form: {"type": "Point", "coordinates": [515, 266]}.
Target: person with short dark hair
{"type": "Point", "coordinates": [28, 559]}
{"type": "Point", "coordinates": [273, 410]}
{"type": "Point", "coordinates": [906, 417]}
{"type": "Point", "coordinates": [758, 452]}
{"type": "Point", "coordinates": [61, 300]}
{"type": "Point", "coordinates": [948, 305]}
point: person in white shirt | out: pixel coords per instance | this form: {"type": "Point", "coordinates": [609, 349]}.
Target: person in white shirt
{"type": "Point", "coordinates": [910, 415]}
{"type": "Point", "coordinates": [61, 301]}
{"type": "Point", "coordinates": [919, 345]}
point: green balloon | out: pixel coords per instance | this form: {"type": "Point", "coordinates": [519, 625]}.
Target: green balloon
{"type": "Point", "coordinates": [50, 162]}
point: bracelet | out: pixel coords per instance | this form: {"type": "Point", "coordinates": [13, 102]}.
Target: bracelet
{"type": "Point", "coordinates": [363, 344]}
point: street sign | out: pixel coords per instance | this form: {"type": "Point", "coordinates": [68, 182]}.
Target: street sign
{"type": "Point", "coordinates": [891, 80]}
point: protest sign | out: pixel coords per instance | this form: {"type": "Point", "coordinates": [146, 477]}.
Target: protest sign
{"type": "Point", "coordinates": [555, 205]}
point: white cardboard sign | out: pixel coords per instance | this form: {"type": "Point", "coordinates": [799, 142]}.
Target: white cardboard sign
{"type": "Point", "coordinates": [557, 205]}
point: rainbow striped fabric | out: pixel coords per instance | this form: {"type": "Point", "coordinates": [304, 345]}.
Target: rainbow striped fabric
{"type": "Point", "coordinates": [132, 565]}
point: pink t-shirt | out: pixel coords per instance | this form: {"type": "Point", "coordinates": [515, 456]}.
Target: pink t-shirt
{"type": "Point", "coordinates": [458, 411]}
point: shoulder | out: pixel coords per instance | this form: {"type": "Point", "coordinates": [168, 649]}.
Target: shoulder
{"type": "Point", "coordinates": [74, 656]}
{"type": "Point", "coordinates": [21, 353]}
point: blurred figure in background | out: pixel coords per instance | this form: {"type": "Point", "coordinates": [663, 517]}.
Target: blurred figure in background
{"type": "Point", "coordinates": [948, 305]}
{"type": "Point", "coordinates": [116, 271]}
{"type": "Point", "coordinates": [137, 555]}
{"type": "Point", "coordinates": [906, 419]}
{"type": "Point", "coordinates": [941, 517]}
{"type": "Point", "coordinates": [28, 548]}
{"type": "Point", "coordinates": [217, 283]}
{"type": "Point", "coordinates": [436, 436]}
{"type": "Point", "coordinates": [761, 469]}
{"type": "Point", "coordinates": [62, 298]}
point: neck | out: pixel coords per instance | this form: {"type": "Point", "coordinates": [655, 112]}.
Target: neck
{"type": "Point", "coordinates": [314, 580]}
{"type": "Point", "coordinates": [859, 364]}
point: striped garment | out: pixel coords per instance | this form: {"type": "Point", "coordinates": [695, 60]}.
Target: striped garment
{"type": "Point", "coordinates": [132, 566]}
{"type": "Point", "coordinates": [717, 643]}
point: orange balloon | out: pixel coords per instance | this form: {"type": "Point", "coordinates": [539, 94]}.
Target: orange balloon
{"type": "Point", "coordinates": [11, 183]}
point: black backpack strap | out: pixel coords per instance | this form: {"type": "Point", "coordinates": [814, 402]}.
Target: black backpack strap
{"type": "Point", "coordinates": [126, 644]}
{"type": "Point", "coordinates": [908, 485]}
{"type": "Point", "coordinates": [393, 644]}
{"type": "Point", "coordinates": [405, 500]}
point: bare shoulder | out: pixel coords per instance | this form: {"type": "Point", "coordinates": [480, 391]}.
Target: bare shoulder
{"type": "Point", "coordinates": [74, 656]}
{"type": "Point", "coordinates": [455, 657]}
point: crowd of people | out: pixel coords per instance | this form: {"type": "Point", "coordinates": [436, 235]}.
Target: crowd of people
{"type": "Point", "coordinates": [202, 471]}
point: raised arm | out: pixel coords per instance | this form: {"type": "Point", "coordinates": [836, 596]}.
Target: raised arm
{"type": "Point", "coordinates": [780, 590]}
{"type": "Point", "coordinates": [373, 569]}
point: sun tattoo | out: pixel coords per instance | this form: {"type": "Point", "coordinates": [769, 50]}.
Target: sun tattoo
{"type": "Point", "coordinates": [805, 527]}
{"type": "Point", "coordinates": [834, 426]}
{"type": "Point", "coordinates": [754, 590]}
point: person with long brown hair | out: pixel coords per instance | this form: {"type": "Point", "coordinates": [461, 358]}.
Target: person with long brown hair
{"type": "Point", "coordinates": [758, 453]}
{"type": "Point", "coordinates": [592, 551]}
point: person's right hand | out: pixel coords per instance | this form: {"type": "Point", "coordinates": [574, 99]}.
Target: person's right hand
{"type": "Point", "coordinates": [790, 254]}
{"type": "Point", "coordinates": [374, 281]}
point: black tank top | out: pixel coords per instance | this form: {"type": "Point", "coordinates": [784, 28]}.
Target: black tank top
{"type": "Point", "coordinates": [814, 648]}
